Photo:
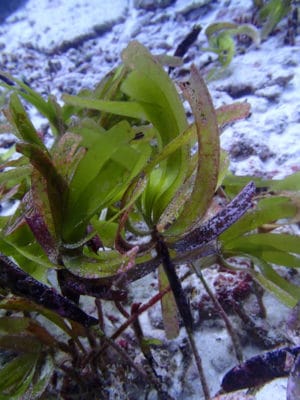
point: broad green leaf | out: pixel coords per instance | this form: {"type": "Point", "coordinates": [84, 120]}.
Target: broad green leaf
{"type": "Point", "coordinates": [150, 85]}
{"type": "Point", "coordinates": [101, 265]}
{"type": "Point", "coordinates": [107, 187]}
{"type": "Point", "coordinates": [281, 258]}
{"type": "Point", "coordinates": [169, 307]}
{"type": "Point", "coordinates": [261, 242]}
{"type": "Point", "coordinates": [282, 295]}
{"type": "Point", "coordinates": [102, 176]}
{"type": "Point", "coordinates": [275, 248]}
{"type": "Point", "coordinates": [291, 182]}
{"type": "Point", "coordinates": [234, 183]}
{"type": "Point", "coordinates": [106, 230]}
{"type": "Point", "coordinates": [16, 375]}
{"type": "Point", "coordinates": [18, 241]}
{"type": "Point", "coordinates": [179, 141]}
{"type": "Point", "coordinates": [130, 109]}
{"type": "Point", "coordinates": [286, 292]}
{"type": "Point", "coordinates": [101, 147]}
{"type": "Point", "coordinates": [206, 180]}
{"type": "Point", "coordinates": [154, 175]}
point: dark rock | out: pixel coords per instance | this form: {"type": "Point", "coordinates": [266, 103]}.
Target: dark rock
{"type": "Point", "coordinates": [243, 149]}
{"type": "Point", "coordinates": [237, 91]}
{"type": "Point", "coordinates": [152, 5]}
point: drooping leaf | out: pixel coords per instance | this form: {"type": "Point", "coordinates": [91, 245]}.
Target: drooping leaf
{"type": "Point", "coordinates": [287, 293]}
{"type": "Point", "coordinates": [208, 155]}
{"type": "Point", "coordinates": [217, 27]}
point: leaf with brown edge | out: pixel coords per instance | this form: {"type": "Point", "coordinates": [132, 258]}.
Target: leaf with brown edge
{"type": "Point", "coordinates": [67, 153]}
{"type": "Point", "coordinates": [168, 305]}
{"type": "Point", "coordinates": [22, 123]}
{"type": "Point", "coordinates": [197, 94]}
{"type": "Point", "coordinates": [39, 217]}
{"type": "Point", "coordinates": [216, 225]}
{"type": "Point", "coordinates": [232, 112]}
{"type": "Point", "coordinates": [54, 185]}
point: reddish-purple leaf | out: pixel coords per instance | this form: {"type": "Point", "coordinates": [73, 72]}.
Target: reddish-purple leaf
{"type": "Point", "coordinates": [219, 223]}
{"type": "Point", "coordinates": [22, 284]}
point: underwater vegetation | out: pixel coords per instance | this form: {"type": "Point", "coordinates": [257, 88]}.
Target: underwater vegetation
{"type": "Point", "coordinates": [127, 187]}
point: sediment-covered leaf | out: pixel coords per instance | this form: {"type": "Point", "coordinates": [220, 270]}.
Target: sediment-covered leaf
{"type": "Point", "coordinates": [205, 183]}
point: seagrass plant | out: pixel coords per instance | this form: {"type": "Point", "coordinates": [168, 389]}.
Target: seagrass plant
{"type": "Point", "coordinates": [128, 187]}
